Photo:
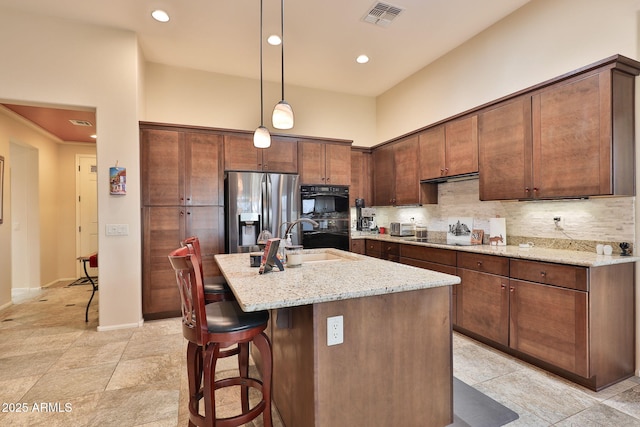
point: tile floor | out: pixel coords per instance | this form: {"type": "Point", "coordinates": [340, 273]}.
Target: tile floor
{"type": "Point", "coordinates": [55, 370]}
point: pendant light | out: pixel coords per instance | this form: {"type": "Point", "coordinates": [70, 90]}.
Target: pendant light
{"type": "Point", "coordinates": [261, 137]}
{"type": "Point", "coordinates": [282, 113]}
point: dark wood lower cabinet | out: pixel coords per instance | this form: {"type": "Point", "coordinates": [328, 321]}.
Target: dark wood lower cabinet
{"type": "Point", "coordinates": [484, 305]}
{"type": "Point", "coordinates": [550, 324]}
{"type": "Point", "coordinates": [164, 227]}
{"type": "Point", "coordinates": [575, 321]}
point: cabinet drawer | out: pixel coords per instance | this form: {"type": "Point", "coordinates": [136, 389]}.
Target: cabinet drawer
{"type": "Point", "coordinates": [567, 276]}
{"type": "Point", "coordinates": [440, 256]}
{"type": "Point", "coordinates": [485, 263]}
{"type": "Point", "coordinates": [447, 269]}
{"type": "Point", "coordinates": [373, 246]}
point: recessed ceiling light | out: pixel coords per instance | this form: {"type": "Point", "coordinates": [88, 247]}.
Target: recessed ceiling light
{"type": "Point", "coordinates": [274, 40]}
{"type": "Point", "coordinates": [160, 15]}
{"type": "Point", "coordinates": [362, 59]}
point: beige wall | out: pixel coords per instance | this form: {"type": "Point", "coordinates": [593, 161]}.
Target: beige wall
{"type": "Point", "coordinates": [185, 96]}
{"type": "Point", "coordinates": [542, 40]}
{"type": "Point", "coordinates": [63, 63]}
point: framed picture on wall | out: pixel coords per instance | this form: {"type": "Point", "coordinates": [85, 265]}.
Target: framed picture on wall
{"type": "Point", "coordinates": [1, 185]}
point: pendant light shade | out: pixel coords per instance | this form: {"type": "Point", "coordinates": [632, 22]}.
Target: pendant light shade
{"type": "Point", "coordinates": [282, 117]}
{"type": "Point", "coordinates": [261, 137]}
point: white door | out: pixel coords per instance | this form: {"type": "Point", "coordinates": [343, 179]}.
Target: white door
{"type": "Point", "coordinates": [86, 209]}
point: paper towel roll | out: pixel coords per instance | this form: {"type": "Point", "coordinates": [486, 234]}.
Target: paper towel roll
{"type": "Point", "coordinates": [498, 231]}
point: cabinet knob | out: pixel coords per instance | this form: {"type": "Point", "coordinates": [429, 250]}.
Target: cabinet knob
{"type": "Point", "coordinates": [441, 171]}
{"type": "Point", "coordinates": [188, 212]}
{"type": "Point", "coordinates": [543, 274]}
{"type": "Point", "coordinates": [512, 289]}
{"type": "Point", "coordinates": [503, 286]}
{"type": "Point", "coordinates": [536, 189]}
{"type": "Point", "coordinates": [181, 213]}
{"type": "Point", "coordinates": [446, 171]}
{"type": "Point", "coordinates": [526, 190]}
{"type": "Point", "coordinates": [479, 263]}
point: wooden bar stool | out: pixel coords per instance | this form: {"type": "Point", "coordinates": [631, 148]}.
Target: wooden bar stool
{"type": "Point", "coordinates": [215, 288]}
{"type": "Point", "coordinates": [210, 328]}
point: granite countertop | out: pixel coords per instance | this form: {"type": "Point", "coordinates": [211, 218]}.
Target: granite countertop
{"type": "Point", "coordinates": [536, 253]}
{"type": "Point", "coordinates": [354, 276]}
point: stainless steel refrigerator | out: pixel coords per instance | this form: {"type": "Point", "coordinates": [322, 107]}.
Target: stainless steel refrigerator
{"type": "Point", "coordinates": [255, 201]}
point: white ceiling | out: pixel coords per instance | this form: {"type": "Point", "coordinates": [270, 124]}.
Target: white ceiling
{"type": "Point", "coordinates": [322, 37]}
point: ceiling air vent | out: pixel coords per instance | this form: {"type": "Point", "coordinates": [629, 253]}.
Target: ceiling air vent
{"type": "Point", "coordinates": [382, 14]}
{"type": "Point", "coordinates": [81, 122]}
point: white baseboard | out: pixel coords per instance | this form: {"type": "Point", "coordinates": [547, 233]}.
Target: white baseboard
{"type": "Point", "coordinates": [122, 326]}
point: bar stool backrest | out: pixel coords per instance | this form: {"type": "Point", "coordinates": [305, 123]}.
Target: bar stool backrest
{"type": "Point", "coordinates": [191, 288]}
{"type": "Point", "coordinates": [193, 243]}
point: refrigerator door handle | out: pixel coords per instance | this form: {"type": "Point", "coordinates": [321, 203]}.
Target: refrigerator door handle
{"type": "Point", "coordinates": [266, 202]}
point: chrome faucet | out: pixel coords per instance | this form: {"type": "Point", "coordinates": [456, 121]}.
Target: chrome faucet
{"type": "Point", "coordinates": [297, 221]}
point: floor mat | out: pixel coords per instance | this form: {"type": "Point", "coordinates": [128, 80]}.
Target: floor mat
{"type": "Point", "coordinates": [472, 408]}
{"type": "Point", "coordinates": [84, 281]}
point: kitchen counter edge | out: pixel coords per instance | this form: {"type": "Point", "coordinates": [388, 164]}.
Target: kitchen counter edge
{"type": "Point", "coordinates": [558, 256]}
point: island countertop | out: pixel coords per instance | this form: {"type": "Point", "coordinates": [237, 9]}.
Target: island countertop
{"type": "Point", "coordinates": [353, 276]}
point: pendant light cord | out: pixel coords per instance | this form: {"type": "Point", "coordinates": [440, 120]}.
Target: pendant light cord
{"type": "Point", "coordinates": [282, 43]}
{"type": "Point", "coordinates": [261, 92]}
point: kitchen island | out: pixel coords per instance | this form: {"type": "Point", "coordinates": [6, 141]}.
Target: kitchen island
{"type": "Point", "coordinates": [395, 364]}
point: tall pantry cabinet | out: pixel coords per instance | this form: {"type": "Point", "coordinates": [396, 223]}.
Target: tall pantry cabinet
{"type": "Point", "coordinates": [182, 182]}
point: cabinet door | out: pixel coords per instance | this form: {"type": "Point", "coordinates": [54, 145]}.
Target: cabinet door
{"type": "Point", "coordinates": [383, 176]}
{"type": "Point", "coordinates": [358, 246]}
{"type": "Point", "coordinates": [311, 162]}
{"type": "Point", "coordinates": [483, 305]}
{"type": "Point", "coordinates": [207, 222]}
{"type": "Point", "coordinates": [162, 167]}
{"type": "Point", "coordinates": [505, 151]}
{"type": "Point", "coordinates": [282, 156]}
{"type": "Point", "coordinates": [432, 160]}
{"type": "Point", "coordinates": [360, 177]}
{"type": "Point", "coordinates": [550, 324]}
{"type": "Point", "coordinates": [163, 229]}
{"type": "Point", "coordinates": [461, 146]}
{"type": "Point", "coordinates": [407, 179]}
{"type": "Point", "coordinates": [203, 169]}
{"type": "Point", "coordinates": [571, 145]}
{"type": "Point", "coordinates": [240, 154]}
{"type": "Point", "coordinates": [338, 164]}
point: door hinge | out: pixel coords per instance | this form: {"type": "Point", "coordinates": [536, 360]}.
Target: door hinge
{"type": "Point", "coordinates": [80, 229]}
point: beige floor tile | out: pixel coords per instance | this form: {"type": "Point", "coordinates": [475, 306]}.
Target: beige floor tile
{"type": "Point", "coordinates": [154, 345]}
{"type": "Point", "coordinates": [12, 390]}
{"type": "Point", "coordinates": [83, 356]}
{"type": "Point", "coordinates": [35, 364]}
{"type": "Point", "coordinates": [63, 385]}
{"type": "Point", "coordinates": [628, 402]}
{"type": "Point", "coordinates": [137, 406]}
{"type": "Point", "coordinates": [600, 415]}
{"type": "Point", "coordinates": [539, 394]}
{"type": "Point", "coordinates": [146, 370]}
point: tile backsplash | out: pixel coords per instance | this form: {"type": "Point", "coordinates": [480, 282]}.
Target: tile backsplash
{"type": "Point", "coordinates": [584, 222]}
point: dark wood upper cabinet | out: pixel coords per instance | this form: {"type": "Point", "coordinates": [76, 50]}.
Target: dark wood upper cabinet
{"type": "Point", "coordinates": [569, 138]}
{"type": "Point", "coordinates": [361, 186]}
{"type": "Point", "coordinates": [180, 168]}
{"type": "Point", "coordinates": [324, 163]}
{"type": "Point", "coordinates": [241, 155]}
{"type": "Point", "coordinates": [396, 175]}
{"type": "Point", "coordinates": [505, 150]}
{"type": "Point", "coordinates": [449, 149]}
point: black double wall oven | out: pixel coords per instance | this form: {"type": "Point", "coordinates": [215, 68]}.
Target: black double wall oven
{"type": "Point", "coordinates": [329, 207]}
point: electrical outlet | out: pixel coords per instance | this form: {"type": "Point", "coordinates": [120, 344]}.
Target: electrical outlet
{"type": "Point", "coordinates": [335, 330]}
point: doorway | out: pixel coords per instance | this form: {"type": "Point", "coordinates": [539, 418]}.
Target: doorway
{"type": "Point", "coordinates": [86, 210]}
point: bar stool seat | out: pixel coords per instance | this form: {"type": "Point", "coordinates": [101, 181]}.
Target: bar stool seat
{"type": "Point", "coordinates": [227, 316]}
{"type": "Point", "coordinates": [210, 329]}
